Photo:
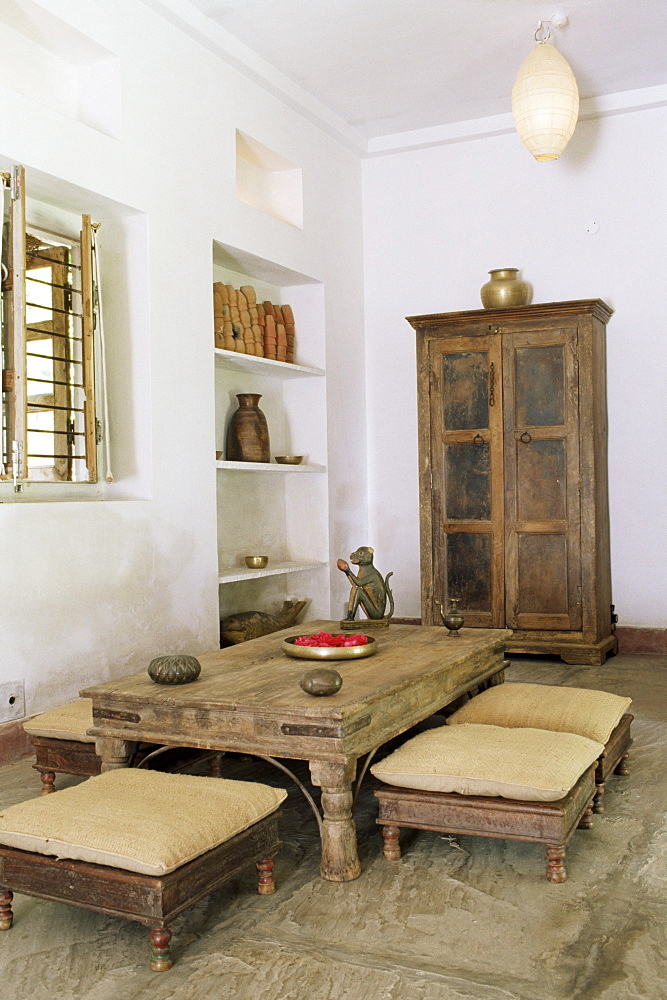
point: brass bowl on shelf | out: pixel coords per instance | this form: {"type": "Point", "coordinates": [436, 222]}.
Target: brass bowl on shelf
{"type": "Point", "coordinates": [256, 562]}
{"type": "Point", "coordinates": [289, 459]}
{"type": "Point", "coordinates": [329, 652]}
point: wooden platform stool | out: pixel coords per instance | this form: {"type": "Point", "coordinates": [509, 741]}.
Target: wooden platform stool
{"type": "Point", "coordinates": [138, 844]}
{"type": "Point", "coordinates": [62, 746]}
{"type": "Point", "coordinates": [598, 715]}
{"type": "Point", "coordinates": [490, 781]}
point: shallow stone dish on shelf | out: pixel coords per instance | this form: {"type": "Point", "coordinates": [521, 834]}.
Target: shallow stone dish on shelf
{"type": "Point", "coordinates": [329, 652]}
{"type": "Point", "coordinates": [289, 459]}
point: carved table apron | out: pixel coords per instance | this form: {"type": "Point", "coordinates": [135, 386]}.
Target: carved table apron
{"type": "Point", "coordinates": [247, 699]}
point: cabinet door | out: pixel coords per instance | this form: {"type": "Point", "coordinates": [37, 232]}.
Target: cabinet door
{"type": "Point", "coordinates": [467, 473]}
{"type": "Point", "coordinates": [542, 505]}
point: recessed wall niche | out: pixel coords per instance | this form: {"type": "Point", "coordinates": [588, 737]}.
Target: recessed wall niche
{"type": "Point", "coordinates": [57, 66]}
{"type": "Point", "coordinates": [268, 181]}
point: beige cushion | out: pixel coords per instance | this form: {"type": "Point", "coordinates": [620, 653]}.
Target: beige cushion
{"type": "Point", "coordinates": [594, 714]}
{"type": "Point", "coordinates": [66, 722]}
{"type": "Point", "coordinates": [143, 821]}
{"type": "Point", "coordinates": [527, 764]}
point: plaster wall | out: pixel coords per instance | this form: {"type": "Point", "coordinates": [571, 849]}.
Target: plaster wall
{"type": "Point", "coordinates": [92, 589]}
{"type": "Point", "coordinates": [435, 221]}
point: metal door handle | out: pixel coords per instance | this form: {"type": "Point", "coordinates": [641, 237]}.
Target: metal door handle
{"type": "Point", "coordinates": [525, 437]}
{"type": "Point", "coordinates": [478, 440]}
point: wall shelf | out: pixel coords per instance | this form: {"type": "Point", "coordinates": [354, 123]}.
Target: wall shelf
{"type": "Point", "coordinates": [268, 467]}
{"type": "Point", "coordinates": [240, 573]}
{"type": "Point", "coordinates": [250, 365]}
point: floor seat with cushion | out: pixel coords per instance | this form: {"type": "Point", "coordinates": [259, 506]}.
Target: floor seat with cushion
{"type": "Point", "coordinates": [598, 715]}
{"type": "Point", "coordinates": [490, 781]}
{"type": "Point", "coordinates": [62, 746]}
{"type": "Point", "coordinates": [139, 844]}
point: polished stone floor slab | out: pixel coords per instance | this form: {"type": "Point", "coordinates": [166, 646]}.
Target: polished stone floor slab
{"type": "Point", "coordinates": [461, 918]}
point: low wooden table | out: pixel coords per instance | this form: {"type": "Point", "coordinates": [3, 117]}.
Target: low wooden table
{"type": "Point", "coordinates": [247, 699]}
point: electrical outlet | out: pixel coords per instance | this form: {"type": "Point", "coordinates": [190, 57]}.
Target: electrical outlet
{"type": "Point", "coordinates": [12, 701]}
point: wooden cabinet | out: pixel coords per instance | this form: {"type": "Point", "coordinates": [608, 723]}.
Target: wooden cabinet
{"type": "Point", "coordinates": [513, 474]}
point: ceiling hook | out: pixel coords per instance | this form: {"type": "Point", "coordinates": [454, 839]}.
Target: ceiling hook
{"type": "Point", "coordinates": [543, 31]}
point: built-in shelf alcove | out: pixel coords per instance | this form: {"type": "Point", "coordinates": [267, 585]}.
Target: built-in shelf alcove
{"type": "Point", "coordinates": [268, 181]}
{"type": "Point", "coordinates": [53, 64]}
{"type": "Point", "coordinates": [268, 508]}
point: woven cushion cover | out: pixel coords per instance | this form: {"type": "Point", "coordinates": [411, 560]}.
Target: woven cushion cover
{"type": "Point", "coordinates": [66, 722]}
{"type": "Point", "coordinates": [526, 764]}
{"type": "Point", "coordinates": [594, 714]}
{"type": "Point", "coordinates": [141, 821]}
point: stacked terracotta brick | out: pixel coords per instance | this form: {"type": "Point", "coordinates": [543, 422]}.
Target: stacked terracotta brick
{"type": "Point", "coordinates": [247, 326]}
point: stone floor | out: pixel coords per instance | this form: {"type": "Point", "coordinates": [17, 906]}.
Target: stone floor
{"type": "Point", "coordinates": [455, 919]}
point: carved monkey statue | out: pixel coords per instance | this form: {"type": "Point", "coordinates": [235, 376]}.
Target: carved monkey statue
{"type": "Point", "coordinates": [369, 589]}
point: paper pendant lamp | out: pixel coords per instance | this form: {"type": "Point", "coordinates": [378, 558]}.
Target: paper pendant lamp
{"type": "Point", "coordinates": [545, 102]}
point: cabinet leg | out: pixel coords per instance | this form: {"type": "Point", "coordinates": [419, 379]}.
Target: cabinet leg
{"type": "Point", "coordinates": [592, 658]}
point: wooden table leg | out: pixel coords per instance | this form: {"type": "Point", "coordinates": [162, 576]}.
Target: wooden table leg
{"type": "Point", "coordinates": [114, 752]}
{"type": "Point", "coordinates": [340, 861]}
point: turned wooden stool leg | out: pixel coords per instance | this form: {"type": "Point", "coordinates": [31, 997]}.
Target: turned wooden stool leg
{"type": "Point", "coordinates": [215, 764]}
{"type": "Point", "coordinates": [392, 848]}
{"type": "Point", "coordinates": [586, 821]}
{"type": "Point", "coordinates": [266, 886]}
{"type": "Point", "coordinates": [48, 778]}
{"type": "Point", "coordinates": [159, 938]}
{"type": "Point", "coordinates": [623, 766]}
{"type": "Point", "coordinates": [598, 804]}
{"type": "Point", "coordinates": [6, 915]}
{"type": "Point", "coordinates": [555, 867]}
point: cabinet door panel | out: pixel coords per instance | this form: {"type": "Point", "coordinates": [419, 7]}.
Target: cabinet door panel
{"type": "Point", "coordinates": [466, 379]}
{"type": "Point", "coordinates": [540, 385]}
{"type": "Point", "coordinates": [470, 571]}
{"type": "Point", "coordinates": [466, 461]}
{"type": "Point", "coordinates": [542, 595]}
{"type": "Point", "coordinates": [543, 518]}
{"type": "Point", "coordinates": [541, 470]}
{"type": "Point", "coordinates": [467, 482]}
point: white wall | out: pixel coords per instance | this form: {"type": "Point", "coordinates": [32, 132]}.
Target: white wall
{"type": "Point", "coordinates": [138, 577]}
{"type": "Point", "coordinates": [435, 221]}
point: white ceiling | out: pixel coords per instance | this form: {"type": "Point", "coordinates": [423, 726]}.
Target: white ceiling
{"type": "Point", "coordinates": [391, 66]}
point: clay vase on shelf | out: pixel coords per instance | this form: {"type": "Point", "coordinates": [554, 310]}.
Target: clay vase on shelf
{"type": "Point", "coordinates": [248, 432]}
{"type": "Point", "coordinates": [505, 289]}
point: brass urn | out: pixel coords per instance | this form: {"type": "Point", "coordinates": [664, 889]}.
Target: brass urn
{"type": "Point", "coordinates": [453, 618]}
{"type": "Point", "coordinates": [505, 289]}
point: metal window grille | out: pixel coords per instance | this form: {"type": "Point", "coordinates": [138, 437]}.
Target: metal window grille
{"type": "Point", "coordinates": [49, 425]}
